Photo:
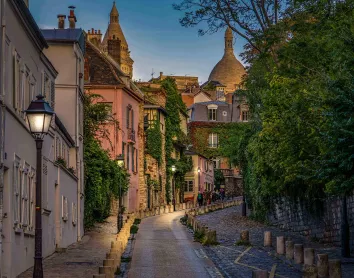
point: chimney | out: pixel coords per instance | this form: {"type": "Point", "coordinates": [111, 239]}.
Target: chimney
{"type": "Point", "coordinates": [161, 74]}
{"type": "Point", "coordinates": [61, 21]}
{"type": "Point", "coordinates": [72, 17]}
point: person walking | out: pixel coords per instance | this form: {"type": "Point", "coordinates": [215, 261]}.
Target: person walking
{"type": "Point", "coordinates": [200, 199]}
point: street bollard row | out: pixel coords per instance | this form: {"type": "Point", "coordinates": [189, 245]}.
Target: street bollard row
{"type": "Point", "coordinates": [300, 255]}
{"type": "Point", "coordinates": [113, 258]}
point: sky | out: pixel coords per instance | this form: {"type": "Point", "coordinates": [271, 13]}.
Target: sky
{"type": "Point", "coordinates": [157, 41]}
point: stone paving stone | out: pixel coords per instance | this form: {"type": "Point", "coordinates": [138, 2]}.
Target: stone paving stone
{"type": "Point", "coordinates": [228, 223]}
{"type": "Point", "coordinates": [83, 258]}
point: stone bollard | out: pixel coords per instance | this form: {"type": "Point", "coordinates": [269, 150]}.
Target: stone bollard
{"type": "Point", "coordinates": [171, 209]}
{"type": "Point", "coordinates": [210, 237]}
{"type": "Point", "coordinates": [309, 271]}
{"type": "Point", "coordinates": [245, 236]}
{"type": "Point", "coordinates": [259, 274]}
{"type": "Point", "coordinates": [280, 245]}
{"type": "Point", "coordinates": [184, 206]}
{"type": "Point", "coordinates": [289, 249]}
{"type": "Point", "coordinates": [335, 269]}
{"type": "Point", "coordinates": [322, 265]}
{"type": "Point", "coordinates": [299, 253]}
{"type": "Point", "coordinates": [99, 276]}
{"type": "Point", "coordinates": [106, 270]}
{"type": "Point", "coordinates": [111, 264]}
{"type": "Point", "coordinates": [309, 256]}
{"type": "Point", "coordinates": [206, 209]}
{"type": "Point", "coordinates": [267, 239]}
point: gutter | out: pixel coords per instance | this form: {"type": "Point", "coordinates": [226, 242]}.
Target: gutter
{"type": "Point", "coordinates": [2, 120]}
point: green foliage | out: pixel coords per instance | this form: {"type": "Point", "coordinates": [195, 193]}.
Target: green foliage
{"type": "Point", "coordinates": [174, 136]}
{"type": "Point", "coordinates": [134, 229]}
{"type": "Point", "coordinates": [299, 88]}
{"type": "Point", "coordinates": [219, 179]}
{"type": "Point", "coordinates": [243, 243]}
{"type": "Point", "coordinates": [137, 221]}
{"type": "Point", "coordinates": [199, 236]}
{"type": "Point", "coordinates": [154, 141]}
{"type": "Point", "coordinates": [61, 161]}
{"type": "Point", "coordinates": [102, 175]}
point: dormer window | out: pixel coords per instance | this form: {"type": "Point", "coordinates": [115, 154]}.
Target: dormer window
{"type": "Point", "coordinates": [212, 112]}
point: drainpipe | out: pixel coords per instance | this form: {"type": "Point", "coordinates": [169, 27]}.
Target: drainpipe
{"type": "Point", "coordinates": [2, 121]}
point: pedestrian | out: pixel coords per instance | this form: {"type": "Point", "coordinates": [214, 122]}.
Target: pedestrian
{"type": "Point", "coordinates": [200, 199]}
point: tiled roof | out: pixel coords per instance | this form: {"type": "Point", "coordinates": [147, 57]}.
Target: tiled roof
{"type": "Point", "coordinates": [219, 103]}
{"type": "Point", "coordinates": [65, 35]}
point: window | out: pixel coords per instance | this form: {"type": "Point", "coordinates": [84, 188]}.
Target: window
{"type": "Point", "coordinates": [216, 163]}
{"type": "Point", "coordinates": [133, 158]}
{"type": "Point", "coordinates": [24, 196]}
{"type": "Point", "coordinates": [128, 117]}
{"type": "Point", "coordinates": [109, 109]}
{"type": "Point", "coordinates": [123, 150]}
{"type": "Point", "coordinates": [188, 186]}
{"type": "Point", "coordinates": [245, 116]}
{"type": "Point", "coordinates": [128, 154]}
{"type": "Point", "coordinates": [212, 114]}
{"type": "Point", "coordinates": [31, 197]}
{"type": "Point", "coordinates": [16, 192]}
{"type": "Point", "coordinates": [136, 161]}
{"type": "Point", "coordinates": [213, 140]}
{"type": "Point", "coordinates": [64, 208]}
{"type": "Point", "coordinates": [17, 82]}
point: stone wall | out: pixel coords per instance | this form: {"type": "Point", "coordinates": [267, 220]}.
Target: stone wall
{"type": "Point", "coordinates": [233, 186]}
{"type": "Point", "coordinates": [318, 222]}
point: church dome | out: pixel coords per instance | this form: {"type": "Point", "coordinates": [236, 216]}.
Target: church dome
{"type": "Point", "coordinates": [228, 71]}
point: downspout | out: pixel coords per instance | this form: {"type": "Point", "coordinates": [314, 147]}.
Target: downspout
{"type": "Point", "coordinates": [2, 122]}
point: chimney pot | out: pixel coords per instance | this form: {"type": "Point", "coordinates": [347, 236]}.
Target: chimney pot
{"type": "Point", "coordinates": [72, 17]}
{"type": "Point", "coordinates": [96, 32]}
{"type": "Point", "coordinates": [61, 21]}
{"type": "Point", "coordinates": [161, 74]}
{"type": "Point", "coordinates": [99, 32]}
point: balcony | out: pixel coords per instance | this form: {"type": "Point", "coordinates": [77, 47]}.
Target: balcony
{"type": "Point", "coordinates": [227, 172]}
{"type": "Point", "coordinates": [131, 135]}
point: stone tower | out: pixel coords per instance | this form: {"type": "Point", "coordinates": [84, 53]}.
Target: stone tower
{"type": "Point", "coordinates": [228, 71]}
{"type": "Point", "coordinates": [114, 38]}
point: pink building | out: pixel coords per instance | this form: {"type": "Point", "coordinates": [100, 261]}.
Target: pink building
{"type": "Point", "coordinates": [200, 179]}
{"type": "Point", "coordinates": [103, 76]}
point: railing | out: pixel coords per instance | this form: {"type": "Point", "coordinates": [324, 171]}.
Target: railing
{"type": "Point", "coordinates": [227, 172]}
{"type": "Point", "coordinates": [131, 135]}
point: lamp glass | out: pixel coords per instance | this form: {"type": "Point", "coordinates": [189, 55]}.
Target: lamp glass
{"type": "Point", "coordinates": [198, 170]}
{"type": "Point", "coordinates": [120, 160]}
{"type": "Point", "coordinates": [173, 168]}
{"type": "Point", "coordinates": [39, 122]}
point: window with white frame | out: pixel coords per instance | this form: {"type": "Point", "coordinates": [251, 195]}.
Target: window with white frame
{"type": "Point", "coordinates": [74, 213]}
{"type": "Point", "coordinates": [45, 202]}
{"type": "Point", "coordinates": [216, 163]}
{"type": "Point", "coordinates": [213, 140]}
{"type": "Point", "coordinates": [24, 196]}
{"type": "Point", "coordinates": [31, 198]}
{"type": "Point", "coordinates": [64, 208]}
{"type": "Point", "coordinates": [16, 81]}
{"type": "Point", "coordinates": [245, 116]}
{"type": "Point", "coordinates": [188, 186]}
{"type": "Point", "coordinates": [27, 89]}
{"type": "Point", "coordinates": [212, 114]}
{"type": "Point", "coordinates": [16, 191]}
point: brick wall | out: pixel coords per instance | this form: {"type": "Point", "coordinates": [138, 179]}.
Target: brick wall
{"type": "Point", "coordinates": [321, 222]}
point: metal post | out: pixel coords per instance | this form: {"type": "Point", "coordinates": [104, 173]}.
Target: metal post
{"type": "Point", "coordinates": [173, 192]}
{"type": "Point", "coordinates": [345, 234]}
{"type": "Point", "coordinates": [119, 215]}
{"type": "Point", "coordinates": [38, 268]}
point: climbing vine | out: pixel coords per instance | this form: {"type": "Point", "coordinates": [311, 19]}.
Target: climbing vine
{"type": "Point", "coordinates": [174, 136]}
{"type": "Point", "coordinates": [102, 174]}
{"type": "Point", "coordinates": [154, 141]}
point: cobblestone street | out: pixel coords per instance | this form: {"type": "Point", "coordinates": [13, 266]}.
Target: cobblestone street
{"type": "Point", "coordinates": [239, 261]}
{"type": "Point", "coordinates": [83, 258]}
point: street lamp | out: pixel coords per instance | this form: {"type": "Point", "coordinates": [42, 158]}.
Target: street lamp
{"type": "Point", "coordinates": [199, 179]}
{"type": "Point", "coordinates": [39, 115]}
{"type": "Point", "coordinates": [173, 168]}
{"type": "Point", "coordinates": [120, 163]}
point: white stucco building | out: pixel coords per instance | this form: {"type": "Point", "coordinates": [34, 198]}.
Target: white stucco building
{"type": "Point", "coordinates": [26, 72]}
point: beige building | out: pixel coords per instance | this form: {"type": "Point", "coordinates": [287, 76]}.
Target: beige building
{"type": "Point", "coordinates": [66, 52]}
{"type": "Point", "coordinates": [26, 72]}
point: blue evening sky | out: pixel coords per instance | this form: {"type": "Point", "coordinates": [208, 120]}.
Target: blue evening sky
{"type": "Point", "coordinates": [155, 37]}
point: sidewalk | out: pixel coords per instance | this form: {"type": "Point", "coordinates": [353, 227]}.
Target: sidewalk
{"type": "Point", "coordinates": [81, 259]}
{"type": "Point", "coordinates": [240, 261]}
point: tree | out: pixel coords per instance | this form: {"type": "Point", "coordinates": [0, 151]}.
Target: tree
{"type": "Point", "coordinates": [102, 175]}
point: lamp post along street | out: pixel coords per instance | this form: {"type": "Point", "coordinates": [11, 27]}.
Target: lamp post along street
{"type": "Point", "coordinates": [173, 187]}
{"type": "Point", "coordinates": [39, 115]}
{"type": "Point", "coordinates": [199, 179]}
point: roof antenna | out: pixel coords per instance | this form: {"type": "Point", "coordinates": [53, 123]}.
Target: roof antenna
{"type": "Point", "coordinates": [152, 74]}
